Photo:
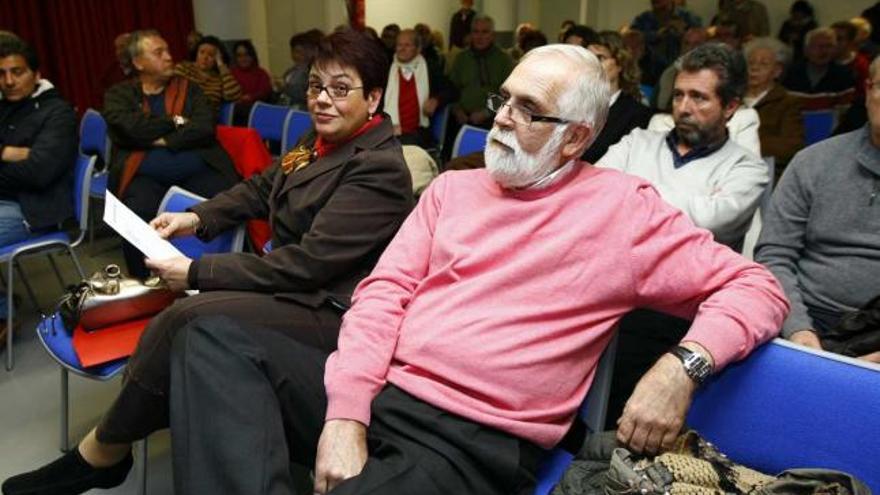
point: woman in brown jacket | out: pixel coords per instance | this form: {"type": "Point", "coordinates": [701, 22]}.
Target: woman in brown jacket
{"type": "Point", "coordinates": [782, 128]}
{"type": "Point", "coordinates": [333, 207]}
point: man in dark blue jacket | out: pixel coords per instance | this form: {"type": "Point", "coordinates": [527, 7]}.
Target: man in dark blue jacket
{"type": "Point", "coordinates": [37, 151]}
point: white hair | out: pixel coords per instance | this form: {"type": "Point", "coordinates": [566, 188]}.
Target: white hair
{"type": "Point", "coordinates": [779, 49]}
{"type": "Point", "coordinates": [819, 31]}
{"type": "Point", "coordinates": [587, 97]}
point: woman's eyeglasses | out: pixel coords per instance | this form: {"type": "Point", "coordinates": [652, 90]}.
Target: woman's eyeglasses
{"type": "Point", "coordinates": [335, 91]}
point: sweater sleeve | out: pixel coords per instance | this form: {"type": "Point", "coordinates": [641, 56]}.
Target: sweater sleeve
{"type": "Point", "coordinates": [617, 156]}
{"type": "Point", "coordinates": [356, 372]}
{"type": "Point", "coordinates": [735, 304]}
{"type": "Point", "coordinates": [231, 88]}
{"type": "Point", "coordinates": [782, 241]}
{"type": "Point", "coordinates": [730, 204]}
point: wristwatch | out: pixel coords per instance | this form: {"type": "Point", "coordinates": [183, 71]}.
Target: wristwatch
{"type": "Point", "coordinates": [695, 365]}
{"type": "Point", "coordinates": [178, 120]}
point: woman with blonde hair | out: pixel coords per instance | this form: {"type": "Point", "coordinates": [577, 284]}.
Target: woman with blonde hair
{"type": "Point", "coordinates": [626, 111]}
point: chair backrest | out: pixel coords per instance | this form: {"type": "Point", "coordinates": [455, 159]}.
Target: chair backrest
{"type": "Point", "coordinates": [818, 125]}
{"type": "Point", "coordinates": [227, 110]}
{"type": "Point", "coordinates": [93, 138]}
{"type": "Point", "coordinates": [82, 184]}
{"type": "Point", "coordinates": [470, 139]}
{"type": "Point", "coordinates": [296, 124]}
{"type": "Point", "coordinates": [787, 406]}
{"type": "Point", "coordinates": [178, 199]}
{"type": "Point", "coordinates": [269, 120]}
{"type": "Point", "coordinates": [647, 91]}
{"type": "Point", "coordinates": [438, 125]}
{"type": "Point", "coordinates": [592, 412]}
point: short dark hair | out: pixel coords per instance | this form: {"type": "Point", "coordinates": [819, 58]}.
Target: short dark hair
{"type": "Point", "coordinates": [728, 64]}
{"type": "Point", "coordinates": [358, 50]}
{"type": "Point", "coordinates": [586, 33]}
{"type": "Point", "coordinates": [249, 47]}
{"type": "Point", "coordinates": [802, 6]}
{"type": "Point", "coordinates": [10, 46]}
{"type": "Point", "coordinates": [847, 27]}
{"type": "Point", "coordinates": [213, 41]}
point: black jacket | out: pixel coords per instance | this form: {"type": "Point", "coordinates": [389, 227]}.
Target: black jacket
{"type": "Point", "coordinates": [330, 220]}
{"type": "Point", "coordinates": [837, 79]}
{"type": "Point", "coordinates": [42, 184]}
{"type": "Point", "coordinates": [130, 129]}
{"type": "Point", "coordinates": [624, 115]}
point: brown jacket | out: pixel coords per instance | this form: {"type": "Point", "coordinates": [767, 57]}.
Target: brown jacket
{"type": "Point", "coordinates": [330, 222]}
{"type": "Point", "coordinates": [782, 127]}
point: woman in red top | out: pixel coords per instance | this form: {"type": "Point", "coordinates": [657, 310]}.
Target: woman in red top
{"type": "Point", "coordinates": [255, 82]}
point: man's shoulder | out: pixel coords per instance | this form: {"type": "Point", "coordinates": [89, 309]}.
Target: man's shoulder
{"type": "Point", "coordinates": [840, 149]}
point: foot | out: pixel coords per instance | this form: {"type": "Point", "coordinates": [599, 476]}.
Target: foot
{"type": "Point", "coordinates": [68, 475]}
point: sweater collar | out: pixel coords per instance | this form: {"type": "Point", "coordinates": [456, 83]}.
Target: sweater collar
{"type": "Point", "coordinates": [868, 155]}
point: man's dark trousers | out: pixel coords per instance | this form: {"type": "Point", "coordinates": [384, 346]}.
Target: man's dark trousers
{"type": "Point", "coordinates": [246, 402]}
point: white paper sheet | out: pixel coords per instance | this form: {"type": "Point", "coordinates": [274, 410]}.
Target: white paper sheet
{"type": "Point", "coordinates": [136, 231]}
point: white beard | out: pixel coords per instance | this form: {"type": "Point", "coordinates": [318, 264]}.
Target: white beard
{"type": "Point", "coordinates": [514, 168]}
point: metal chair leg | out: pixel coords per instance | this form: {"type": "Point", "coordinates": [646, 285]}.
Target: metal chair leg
{"type": "Point", "coordinates": [76, 264]}
{"type": "Point", "coordinates": [65, 410]}
{"type": "Point", "coordinates": [10, 317]}
{"type": "Point", "coordinates": [142, 452]}
{"type": "Point", "coordinates": [27, 285]}
{"type": "Point", "coordinates": [55, 269]}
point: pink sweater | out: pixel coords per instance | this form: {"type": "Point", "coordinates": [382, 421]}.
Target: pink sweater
{"type": "Point", "coordinates": [496, 305]}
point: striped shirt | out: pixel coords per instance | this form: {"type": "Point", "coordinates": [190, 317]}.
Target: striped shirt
{"type": "Point", "coordinates": [216, 86]}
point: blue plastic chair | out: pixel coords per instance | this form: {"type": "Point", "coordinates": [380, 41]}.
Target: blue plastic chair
{"type": "Point", "coordinates": [470, 139]}
{"type": "Point", "coordinates": [788, 406]}
{"type": "Point", "coordinates": [48, 243]}
{"type": "Point", "coordinates": [227, 110]}
{"type": "Point", "coordinates": [178, 200]}
{"type": "Point", "coordinates": [269, 120]}
{"type": "Point", "coordinates": [592, 413]}
{"type": "Point", "coordinates": [439, 121]}
{"type": "Point", "coordinates": [296, 124]}
{"type": "Point", "coordinates": [94, 141]}
{"type": "Point", "coordinates": [647, 91]}
{"type": "Point", "coordinates": [818, 125]}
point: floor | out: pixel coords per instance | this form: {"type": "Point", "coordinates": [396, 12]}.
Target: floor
{"type": "Point", "coordinates": [30, 393]}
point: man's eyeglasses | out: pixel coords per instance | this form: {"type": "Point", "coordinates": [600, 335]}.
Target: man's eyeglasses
{"type": "Point", "coordinates": [336, 91]}
{"type": "Point", "coordinates": [519, 114]}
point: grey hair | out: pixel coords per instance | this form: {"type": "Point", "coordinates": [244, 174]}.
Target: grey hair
{"type": "Point", "coordinates": [483, 18]}
{"type": "Point", "coordinates": [818, 32]}
{"type": "Point", "coordinates": [135, 42]}
{"type": "Point", "coordinates": [417, 40]}
{"type": "Point", "coordinates": [587, 98]}
{"type": "Point", "coordinates": [780, 50]}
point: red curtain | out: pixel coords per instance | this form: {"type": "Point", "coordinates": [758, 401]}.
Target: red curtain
{"type": "Point", "coordinates": [74, 39]}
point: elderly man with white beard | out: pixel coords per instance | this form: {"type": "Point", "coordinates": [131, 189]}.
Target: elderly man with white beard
{"type": "Point", "coordinates": [469, 348]}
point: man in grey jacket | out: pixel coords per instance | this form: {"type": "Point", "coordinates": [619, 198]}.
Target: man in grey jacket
{"type": "Point", "coordinates": [821, 237]}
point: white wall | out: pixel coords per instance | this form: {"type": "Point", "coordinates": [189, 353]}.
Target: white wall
{"type": "Point", "coordinates": [408, 13]}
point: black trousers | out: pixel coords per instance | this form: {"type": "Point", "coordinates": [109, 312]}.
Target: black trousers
{"type": "Point", "coordinates": [142, 405]}
{"type": "Point", "coordinates": [238, 435]}
{"type": "Point", "coordinates": [144, 195]}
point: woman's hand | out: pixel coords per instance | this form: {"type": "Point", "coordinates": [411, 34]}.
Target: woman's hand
{"type": "Point", "coordinates": [172, 271]}
{"type": "Point", "coordinates": [169, 225]}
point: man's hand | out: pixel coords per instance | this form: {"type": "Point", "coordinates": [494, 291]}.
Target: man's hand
{"type": "Point", "coordinates": [460, 115]}
{"type": "Point", "coordinates": [430, 106]}
{"type": "Point", "coordinates": [15, 153]}
{"type": "Point", "coordinates": [873, 357]}
{"type": "Point", "coordinates": [654, 414]}
{"type": "Point", "coordinates": [807, 338]}
{"type": "Point", "coordinates": [160, 143]}
{"type": "Point", "coordinates": [478, 117]}
{"type": "Point", "coordinates": [175, 224]}
{"type": "Point", "coordinates": [342, 453]}
{"type": "Point", "coordinates": [173, 271]}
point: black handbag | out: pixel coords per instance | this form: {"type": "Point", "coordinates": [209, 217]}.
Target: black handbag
{"type": "Point", "coordinates": [857, 333]}
{"type": "Point", "coordinates": [109, 297]}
